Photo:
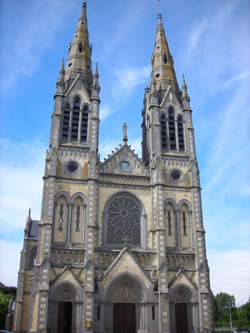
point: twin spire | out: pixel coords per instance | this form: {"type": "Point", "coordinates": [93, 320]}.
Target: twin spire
{"type": "Point", "coordinates": [80, 50]}
{"type": "Point", "coordinates": [163, 72]}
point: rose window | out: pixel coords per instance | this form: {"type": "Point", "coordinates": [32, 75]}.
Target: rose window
{"type": "Point", "coordinates": [123, 225]}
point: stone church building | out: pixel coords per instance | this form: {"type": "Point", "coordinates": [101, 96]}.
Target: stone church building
{"type": "Point", "coordinates": [120, 246]}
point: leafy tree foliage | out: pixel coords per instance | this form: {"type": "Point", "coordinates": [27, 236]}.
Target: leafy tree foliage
{"type": "Point", "coordinates": [5, 294]}
{"type": "Point", "coordinates": [240, 316]}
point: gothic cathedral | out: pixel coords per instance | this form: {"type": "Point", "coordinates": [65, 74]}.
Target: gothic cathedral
{"type": "Point", "coordinates": [120, 246]}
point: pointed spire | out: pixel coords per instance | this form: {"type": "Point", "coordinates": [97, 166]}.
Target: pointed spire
{"type": "Point", "coordinates": [96, 78]}
{"type": "Point", "coordinates": [28, 221]}
{"type": "Point", "coordinates": [125, 136]}
{"type": "Point", "coordinates": [184, 93]}
{"type": "Point", "coordinates": [79, 56]}
{"type": "Point", "coordinates": [162, 61]}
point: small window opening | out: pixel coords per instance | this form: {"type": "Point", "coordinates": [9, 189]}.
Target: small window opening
{"type": "Point", "coordinates": [157, 75]}
{"type": "Point", "coordinates": [184, 224]}
{"type": "Point", "coordinates": [78, 213]}
{"type": "Point", "coordinates": [80, 47]}
{"type": "Point", "coordinates": [165, 58]}
{"type": "Point", "coordinates": [98, 312]}
{"type": "Point", "coordinates": [75, 119]}
{"type": "Point", "coordinates": [153, 312]}
{"type": "Point", "coordinates": [61, 216]}
{"type": "Point", "coordinates": [169, 224]}
{"type": "Point", "coordinates": [70, 64]}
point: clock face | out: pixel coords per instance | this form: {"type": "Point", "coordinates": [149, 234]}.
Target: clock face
{"type": "Point", "coordinates": [125, 166]}
{"type": "Point", "coordinates": [72, 166]}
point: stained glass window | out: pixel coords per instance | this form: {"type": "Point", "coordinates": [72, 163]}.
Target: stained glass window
{"type": "Point", "coordinates": [124, 221]}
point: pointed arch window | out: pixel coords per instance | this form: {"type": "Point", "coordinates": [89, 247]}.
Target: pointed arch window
{"type": "Point", "coordinates": [84, 125]}
{"type": "Point", "coordinates": [65, 123]}
{"type": "Point", "coordinates": [75, 119]}
{"type": "Point", "coordinates": [163, 132]}
{"type": "Point", "coordinates": [171, 128]}
{"type": "Point", "coordinates": [180, 133]}
{"type": "Point", "coordinates": [170, 220]}
{"type": "Point", "coordinates": [184, 220]}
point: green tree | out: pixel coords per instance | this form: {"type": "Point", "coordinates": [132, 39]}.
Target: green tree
{"type": "Point", "coordinates": [4, 302]}
{"type": "Point", "coordinates": [223, 302]}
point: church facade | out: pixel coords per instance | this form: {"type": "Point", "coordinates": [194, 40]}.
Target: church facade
{"type": "Point", "coordinates": [120, 246]}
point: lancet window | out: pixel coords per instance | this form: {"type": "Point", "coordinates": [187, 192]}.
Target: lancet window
{"type": "Point", "coordinates": [171, 129]}
{"type": "Point", "coordinates": [123, 221]}
{"type": "Point", "coordinates": [75, 122]}
{"type": "Point", "coordinates": [180, 133]}
{"type": "Point", "coordinates": [75, 119]}
{"type": "Point", "coordinates": [65, 123]}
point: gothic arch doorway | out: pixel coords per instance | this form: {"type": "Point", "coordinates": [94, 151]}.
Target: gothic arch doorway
{"type": "Point", "coordinates": [181, 310]}
{"type": "Point", "coordinates": [124, 306]}
{"type": "Point", "coordinates": [65, 305]}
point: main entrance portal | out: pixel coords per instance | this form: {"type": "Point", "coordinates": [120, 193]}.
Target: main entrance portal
{"type": "Point", "coordinates": [181, 322]}
{"type": "Point", "coordinates": [64, 317]}
{"type": "Point", "coordinates": [124, 318]}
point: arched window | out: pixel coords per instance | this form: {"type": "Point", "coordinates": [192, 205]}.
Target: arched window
{"type": "Point", "coordinates": [84, 125]}
{"type": "Point", "coordinates": [75, 119]}
{"type": "Point", "coordinates": [80, 47]}
{"type": "Point", "coordinates": [65, 123]}
{"type": "Point", "coordinates": [170, 225]}
{"type": "Point", "coordinates": [180, 133]}
{"type": "Point", "coordinates": [163, 132]}
{"type": "Point", "coordinates": [123, 221]}
{"type": "Point", "coordinates": [60, 219]}
{"type": "Point", "coordinates": [184, 217]}
{"type": "Point", "coordinates": [171, 128]}
{"type": "Point", "coordinates": [78, 221]}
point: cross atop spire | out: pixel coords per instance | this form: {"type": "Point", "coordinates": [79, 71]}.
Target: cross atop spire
{"type": "Point", "coordinates": [162, 62]}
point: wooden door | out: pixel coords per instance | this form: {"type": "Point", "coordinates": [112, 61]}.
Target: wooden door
{"type": "Point", "coordinates": [124, 318]}
{"type": "Point", "coordinates": [181, 323]}
{"type": "Point", "coordinates": [64, 321]}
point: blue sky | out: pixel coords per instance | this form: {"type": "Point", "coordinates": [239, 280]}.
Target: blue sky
{"type": "Point", "coordinates": [209, 41]}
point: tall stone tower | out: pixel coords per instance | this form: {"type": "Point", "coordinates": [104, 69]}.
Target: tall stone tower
{"type": "Point", "coordinates": [120, 246]}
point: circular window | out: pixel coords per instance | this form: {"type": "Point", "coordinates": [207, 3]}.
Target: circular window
{"type": "Point", "coordinates": [175, 174]}
{"type": "Point", "coordinates": [72, 166]}
{"type": "Point", "coordinates": [125, 166]}
{"type": "Point", "coordinates": [123, 221]}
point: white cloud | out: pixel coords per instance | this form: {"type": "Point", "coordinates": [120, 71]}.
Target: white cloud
{"type": "Point", "coordinates": [129, 78]}
{"type": "Point", "coordinates": [9, 261]}
{"type": "Point", "coordinates": [105, 112]}
{"type": "Point", "coordinates": [21, 171]}
{"type": "Point", "coordinates": [236, 78]}
{"type": "Point", "coordinates": [229, 272]}
{"type": "Point", "coordinates": [41, 21]}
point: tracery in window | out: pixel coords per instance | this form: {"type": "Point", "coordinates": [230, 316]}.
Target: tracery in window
{"type": "Point", "coordinates": [65, 123]}
{"type": "Point", "coordinates": [75, 119]}
{"type": "Point", "coordinates": [180, 133]}
{"type": "Point", "coordinates": [171, 128]}
{"type": "Point", "coordinates": [84, 125]}
{"type": "Point", "coordinates": [169, 223]}
{"type": "Point", "coordinates": [124, 221]}
{"type": "Point", "coordinates": [170, 226]}
{"type": "Point", "coordinates": [163, 131]}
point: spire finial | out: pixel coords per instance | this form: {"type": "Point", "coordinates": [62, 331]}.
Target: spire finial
{"type": "Point", "coordinates": [184, 92]}
{"type": "Point", "coordinates": [125, 136]}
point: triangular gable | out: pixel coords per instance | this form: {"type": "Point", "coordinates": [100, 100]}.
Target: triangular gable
{"type": "Point", "coordinates": [182, 278]}
{"type": "Point", "coordinates": [123, 263]}
{"type": "Point", "coordinates": [113, 164]}
{"type": "Point", "coordinates": [170, 97]}
{"type": "Point", "coordinates": [79, 87]}
{"type": "Point", "coordinates": [67, 275]}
